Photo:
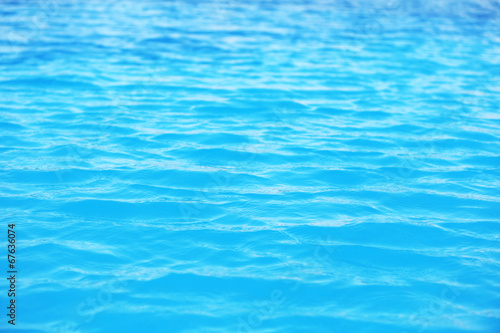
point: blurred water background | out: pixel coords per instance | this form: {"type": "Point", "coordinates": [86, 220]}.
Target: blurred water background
{"type": "Point", "coordinates": [252, 166]}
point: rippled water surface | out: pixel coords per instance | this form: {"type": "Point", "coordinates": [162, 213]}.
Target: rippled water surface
{"type": "Point", "coordinates": [230, 166]}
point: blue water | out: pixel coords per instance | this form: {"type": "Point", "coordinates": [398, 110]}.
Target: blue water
{"type": "Point", "coordinates": [237, 166]}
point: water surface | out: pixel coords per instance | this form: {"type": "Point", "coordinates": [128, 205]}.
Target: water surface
{"type": "Point", "coordinates": [234, 166]}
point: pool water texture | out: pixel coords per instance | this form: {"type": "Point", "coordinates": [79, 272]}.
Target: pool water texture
{"type": "Point", "coordinates": [251, 166]}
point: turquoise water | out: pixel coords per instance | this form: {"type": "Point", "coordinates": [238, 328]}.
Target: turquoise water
{"type": "Point", "coordinates": [229, 166]}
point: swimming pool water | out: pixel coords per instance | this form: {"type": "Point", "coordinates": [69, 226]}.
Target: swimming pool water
{"type": "Point", "coordinates": [237, 166]}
